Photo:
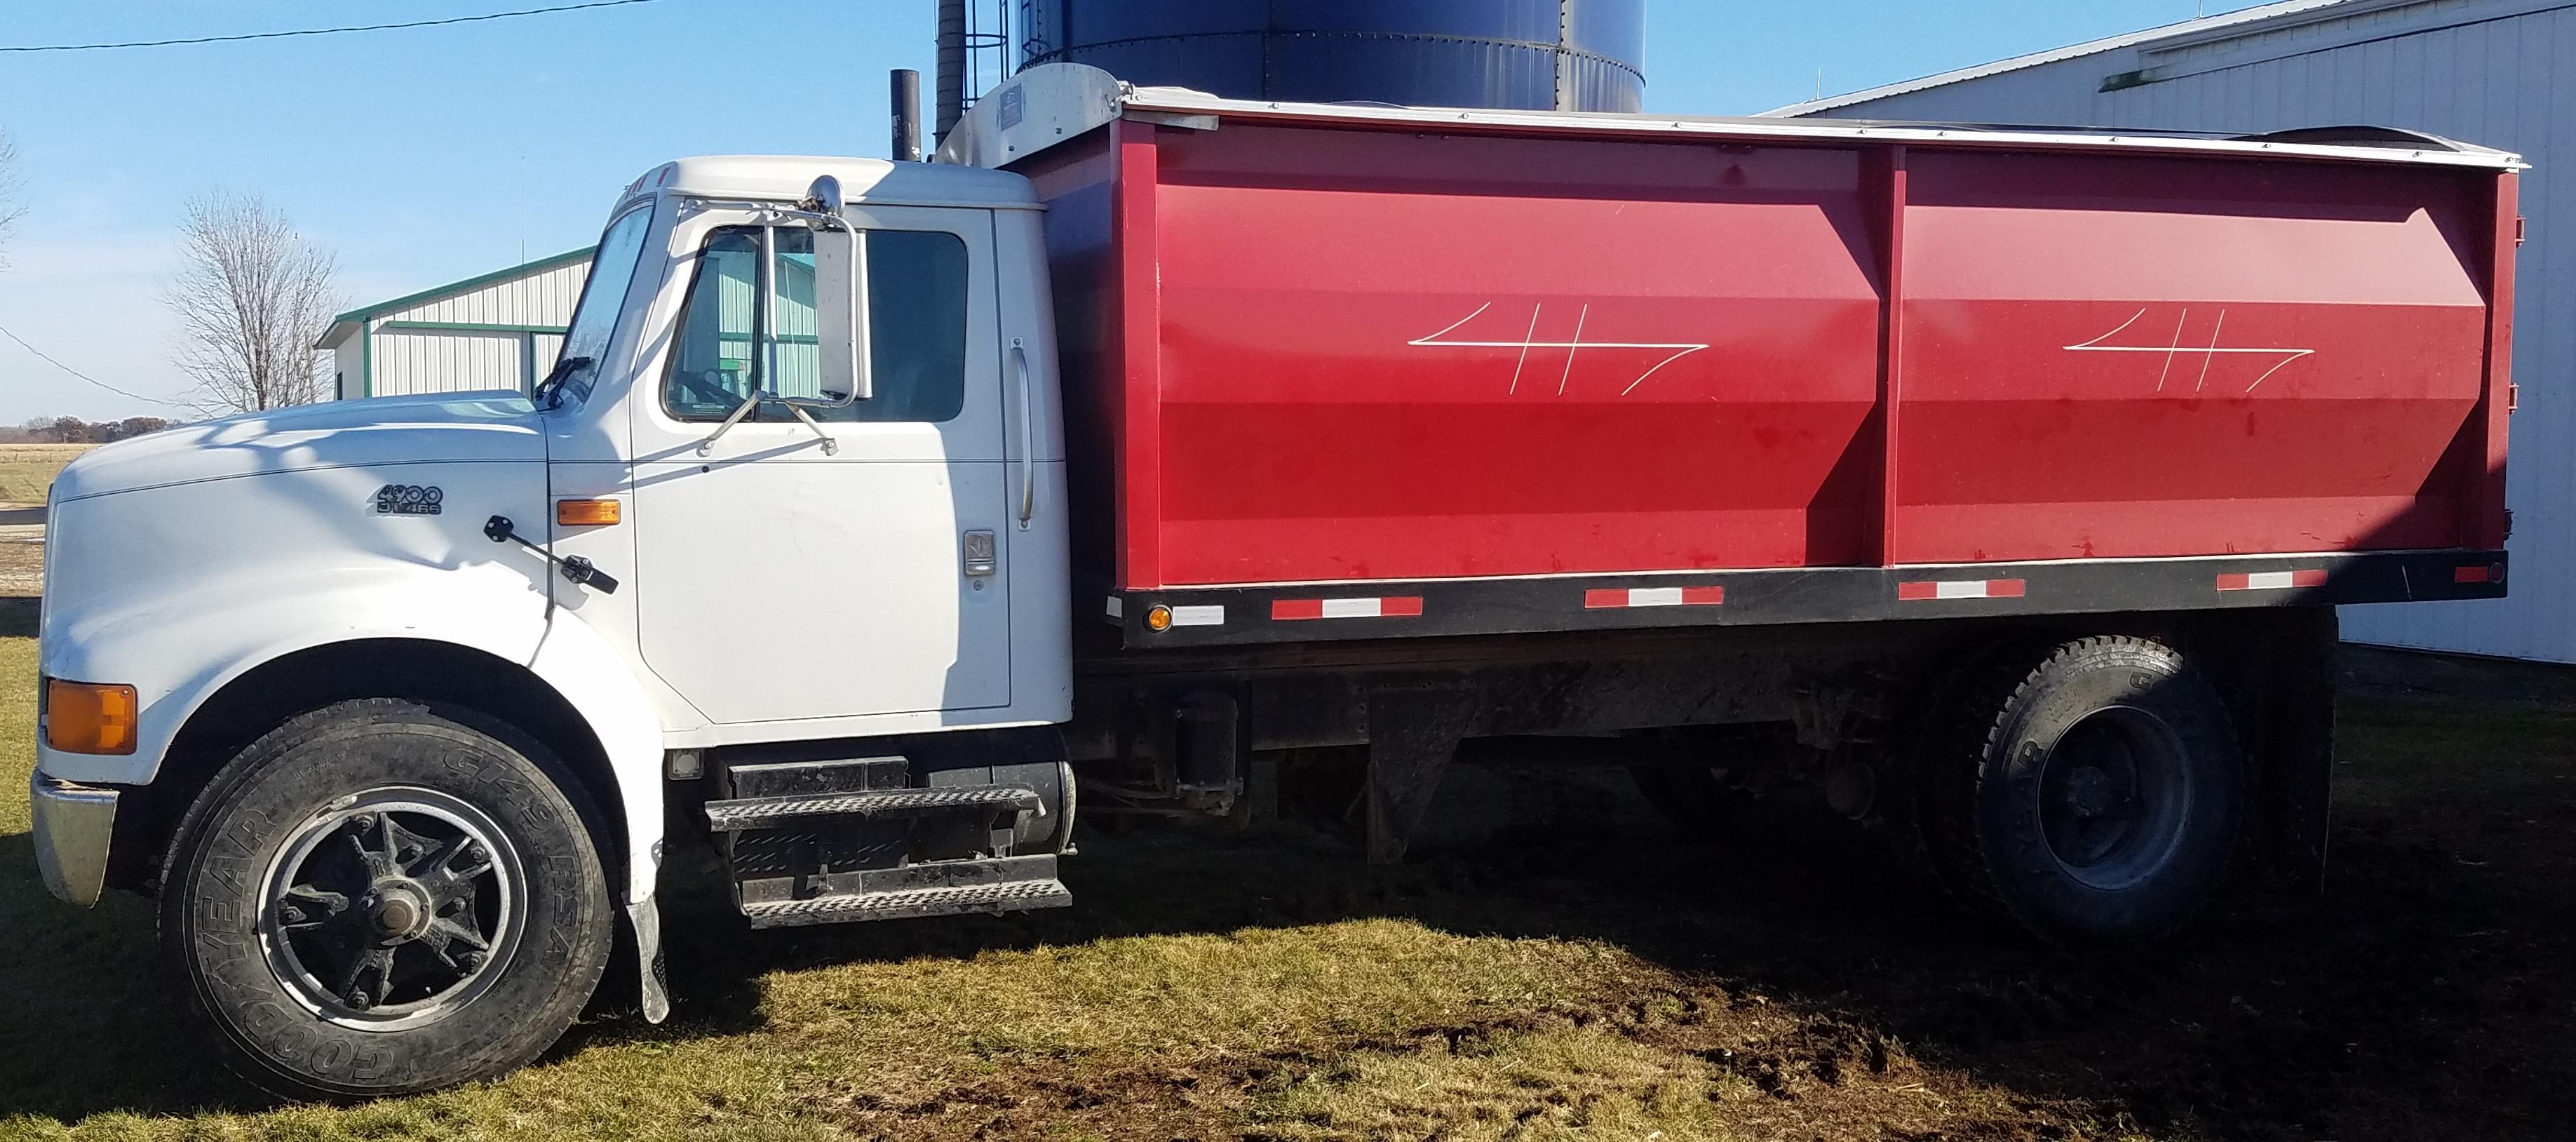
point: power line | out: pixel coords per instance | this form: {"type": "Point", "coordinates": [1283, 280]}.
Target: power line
{"type": "Point", "coordinates": [322, 31]}
{"type": "Point", "coordinates": [22, 343]}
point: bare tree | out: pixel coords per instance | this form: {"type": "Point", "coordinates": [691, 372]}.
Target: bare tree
{"type": "Point", "coordinates": [13, 197]}
{"type": "Point", "coordinates": [251, 296]}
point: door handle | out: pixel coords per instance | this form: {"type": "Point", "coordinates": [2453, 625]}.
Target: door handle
{"type": "Point", "coordinates": [1028, 436]}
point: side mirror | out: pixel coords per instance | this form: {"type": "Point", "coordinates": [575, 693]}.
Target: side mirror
{"type": "Point", "coordinates": [840, 300]}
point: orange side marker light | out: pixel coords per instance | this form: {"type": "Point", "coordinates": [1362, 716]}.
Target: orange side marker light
{"type": "Point", "coordinates": [586, 513]}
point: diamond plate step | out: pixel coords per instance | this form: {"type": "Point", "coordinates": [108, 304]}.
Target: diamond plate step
{"type": "Point", "coordinates": [779, 812]}
{"type": "Point", "coordinates": [1014, 896]}
{"type": "Point", "coordinates": [931, 888]}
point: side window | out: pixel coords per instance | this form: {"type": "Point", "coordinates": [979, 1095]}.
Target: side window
{"type": "Point", "coordinates": [916, 319]}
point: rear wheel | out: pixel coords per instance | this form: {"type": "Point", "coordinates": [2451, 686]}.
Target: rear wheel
{"type": "Point", "coordinates": [378, 898]}
{"type": "Point", "coordinates": [2093, 797]}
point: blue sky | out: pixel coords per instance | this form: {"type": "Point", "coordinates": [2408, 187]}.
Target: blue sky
{"type": "Point", "coordinates": [428, 155]}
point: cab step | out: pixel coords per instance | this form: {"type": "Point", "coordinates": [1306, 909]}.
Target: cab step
{"type": "Point", "coordinates": [799, 810]}
{"type": "Point", "coordinates": [919, 825]}
{"type": "Point", "coordinates": [938, 888]}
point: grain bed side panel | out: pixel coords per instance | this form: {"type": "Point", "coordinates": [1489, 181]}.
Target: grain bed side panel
{"type": "Point", "coordinates": [2127, 357]}
{"type": "Point", "coordinates": [1384, 355]}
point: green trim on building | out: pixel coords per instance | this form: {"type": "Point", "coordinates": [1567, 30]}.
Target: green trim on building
{"type": "Point", "coordinates": [472, 326]}
{"type": "Point", "coordinates": [366, 357]}
{"type": "Point", "coordinates": [434, 293]}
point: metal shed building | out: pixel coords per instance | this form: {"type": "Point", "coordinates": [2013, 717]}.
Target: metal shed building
{"type": "Point", "coordinates": [499, 330]}
{"type": "Point", "coordinates": [2481, 71]}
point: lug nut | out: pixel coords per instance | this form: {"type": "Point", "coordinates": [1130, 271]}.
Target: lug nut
{"type": "Point", "coordinates": [363, 822]}
{"type": "Point", "coordinates": [359, 1000]}
{"type": "Point", "coordinates": [291, 914]}
{"type": "Point", "coordinates": [469, 959]}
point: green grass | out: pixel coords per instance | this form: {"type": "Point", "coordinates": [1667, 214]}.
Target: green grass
{"type": "Point", "coordinates": [1571, 971]}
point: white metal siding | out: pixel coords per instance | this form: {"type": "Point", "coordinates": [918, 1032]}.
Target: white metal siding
{"type": "Point", "coordinates": [347, 360]}
{"type": "Point", "coordinates": [2481, 71]}
{"type": "Point", "coordinates": [412, 361]}
{"type": "Point", "coordinates": [543, 348]}
{"type": "Point", "coordinates": [545, 297]}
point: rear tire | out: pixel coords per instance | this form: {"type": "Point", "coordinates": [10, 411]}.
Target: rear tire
{"type": "Point", "coordinates": [2095, 797]}
{"type": "Point", "coordinates": [378, 898]}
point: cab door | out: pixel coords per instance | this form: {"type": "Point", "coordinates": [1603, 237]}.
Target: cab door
{"type": "Point", "coordinates": [789, 571]}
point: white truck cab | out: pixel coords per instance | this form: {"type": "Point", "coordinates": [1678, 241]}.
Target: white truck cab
{"type": "Point", "coordinates": [798, 476]}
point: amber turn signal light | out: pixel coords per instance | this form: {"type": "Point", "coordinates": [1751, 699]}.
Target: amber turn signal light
{"type": "Point", "coordinates": [585, 513]}
{"type": "Point", "coordinates": [89, 717]}
{"type": "Point", "coordinates": [1159, 618]}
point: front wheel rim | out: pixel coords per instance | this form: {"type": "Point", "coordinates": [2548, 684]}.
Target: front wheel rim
{"type": "Point", "coordinates": [392, 908]}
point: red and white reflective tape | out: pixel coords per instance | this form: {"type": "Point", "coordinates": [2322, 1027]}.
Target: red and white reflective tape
{"type": "Point", "coordinates": [1387, 607]}
{"type": "Point", "coordinates": [1653, 597]}
{"type": "Point", "coordinates": [1960, 589]}
{"type": "Point", "coordinates": [2272, 580]}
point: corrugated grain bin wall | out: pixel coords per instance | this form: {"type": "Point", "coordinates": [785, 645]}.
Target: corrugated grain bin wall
{"type": "Point", "coordinates": [1570, 55]}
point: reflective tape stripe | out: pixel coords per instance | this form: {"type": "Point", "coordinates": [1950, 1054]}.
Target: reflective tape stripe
{"type": "Point", "coordinates": [2271, 580]}
{"type": "Point", "coordinates": [1389, 607]}
{"type": "Point", "coordinates": [1960, 589]}
{"type": "Point", "coordinates": [2477, 574]}
{"type": "Point", "coordinates": [1198, 616]}
{"type": "Point", "coordinates": [1653, 597]}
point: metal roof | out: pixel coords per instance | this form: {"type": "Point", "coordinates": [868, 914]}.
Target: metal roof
{"type": "Point", "coordinates": [1056, 102]}
{"type": "Point", "coordinates": [2188, 29]}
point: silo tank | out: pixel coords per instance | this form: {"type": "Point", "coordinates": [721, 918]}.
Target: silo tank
{"type": "Point", "coordinates": [1573, 55]}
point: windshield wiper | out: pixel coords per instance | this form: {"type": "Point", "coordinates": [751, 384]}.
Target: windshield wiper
{"type": "Point", "coordinates": [549, 389]}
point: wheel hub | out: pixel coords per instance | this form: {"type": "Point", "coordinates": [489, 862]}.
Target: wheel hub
{"type": "Point", "coordinates": [398, 910]}
{"type": "Point", "coordinates": [2114, 797]}
{"type": "Point", "coordinates": [2091, 792]}
{"type": "Point", "coordinates": [385, 908]}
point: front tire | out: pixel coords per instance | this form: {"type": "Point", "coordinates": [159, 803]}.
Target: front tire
{"type": "Point", "coordinates": [379, 898]}
{"type": "Point", "coordinates": [2092, 798]}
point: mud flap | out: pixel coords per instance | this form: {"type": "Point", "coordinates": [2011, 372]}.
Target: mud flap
{"type": "Point", "coordinates": [2292, 745]}
{"type": "Point", "coordinates": [1412, 734]}
{"type": "Point", "coordinates": [646, 920]}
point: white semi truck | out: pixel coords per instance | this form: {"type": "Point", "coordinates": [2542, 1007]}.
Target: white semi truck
{"type": "Point", "coordinates": [1150, 433]}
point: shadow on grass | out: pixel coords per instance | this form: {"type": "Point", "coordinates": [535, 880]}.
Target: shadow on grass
{"type": "Point", "coordinates": [2426, 996]}
{"type": "Point", "coordinates": [2418, 999]}
{"type": "Point", "coordinates": [18, 616]}
{"type": "Point", "coordinates": [87, 1023]}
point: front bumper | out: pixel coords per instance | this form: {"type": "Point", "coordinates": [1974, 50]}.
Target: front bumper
{"type": "Point", "coordinates": [74, 827]}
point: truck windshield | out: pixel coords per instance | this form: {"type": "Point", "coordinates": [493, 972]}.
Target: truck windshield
{"type": "Point", "coordinates": [585, 342]}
